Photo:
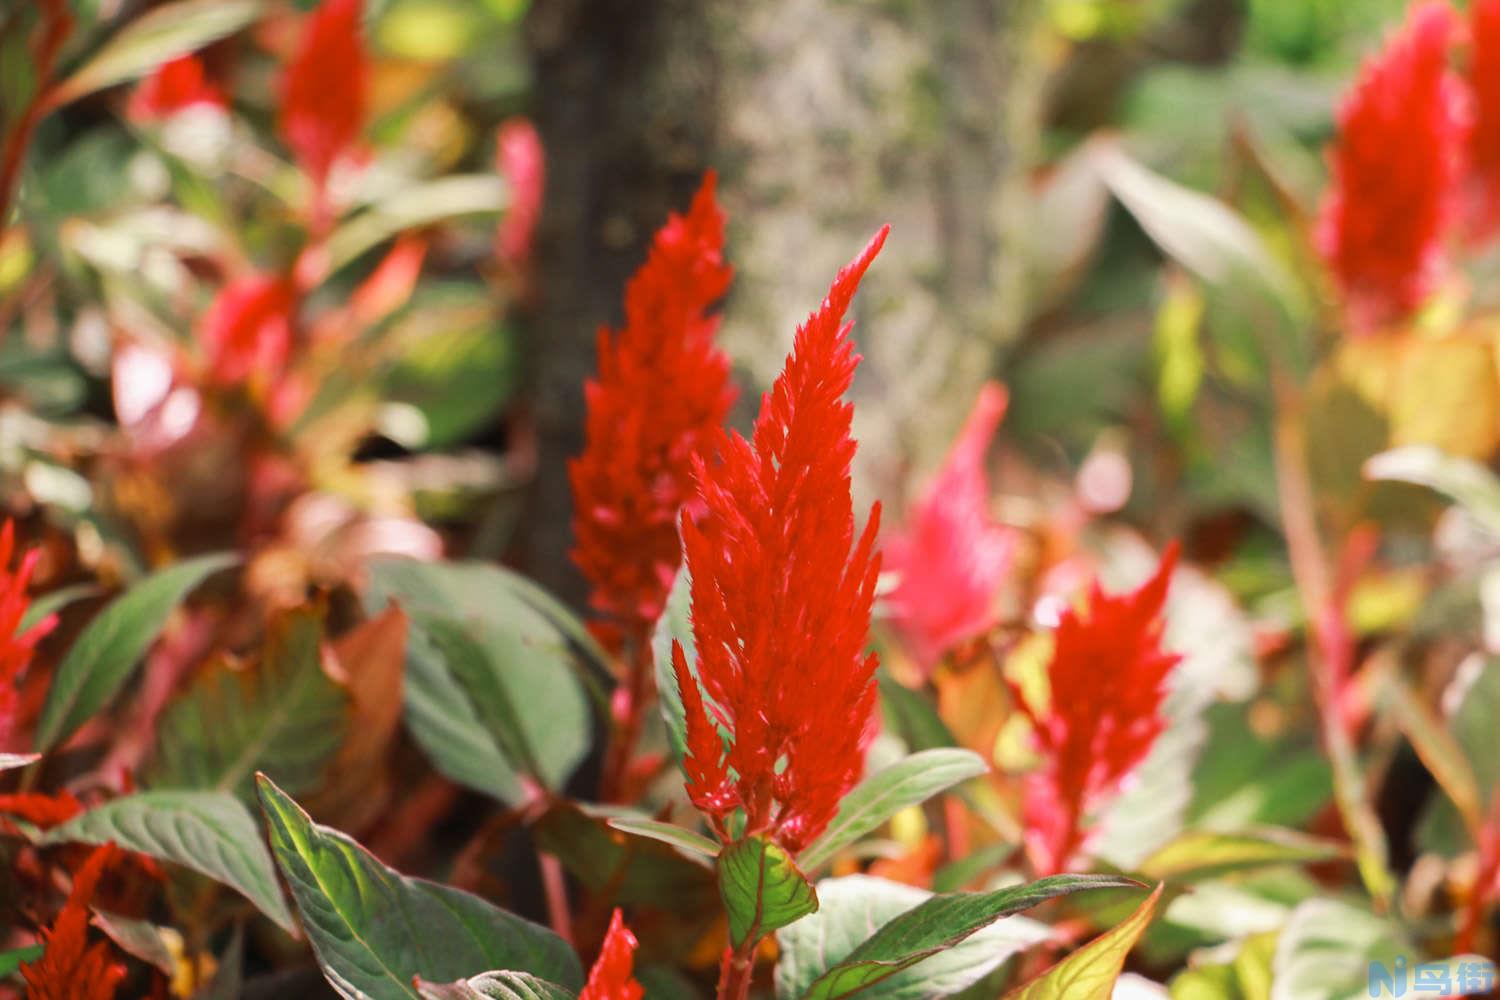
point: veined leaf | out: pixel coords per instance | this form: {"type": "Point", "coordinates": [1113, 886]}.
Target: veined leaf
{"type": "Point", "coordinates": [1201, 853]}
{"type": "Point", "coordinates": [495, 986]}
{"type": "Point", "coordinates": [374, 930]}
{"type": "Point", "coordinates": [880, 796]}
{"type": "Point", "coordinates": [282, 715]}
{"type": "Point", "coordinates": [938, 924]}
{"type": "Point", "coordinates": [849, 907]}
{"type": "Point", "coordinates": [210, 832]}
{"type": "Point", "coordinates": [668, 833]}
{"type": "Point", "coordinates": [106, 652]}
{"type": "Point", "coordinates": [762, 888]}
{"type": "Point", "coordinates": [1090, 972]}
{"type": "Point", "coordinates": [155, 37]}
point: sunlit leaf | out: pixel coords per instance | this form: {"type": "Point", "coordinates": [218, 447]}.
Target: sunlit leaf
{"type": "Point", "coordinates": [763, 888]}
{"type": "Point", "coordinates": [1090, 972]}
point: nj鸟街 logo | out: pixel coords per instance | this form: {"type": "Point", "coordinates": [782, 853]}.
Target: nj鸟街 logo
{"type": "Point", "coordinates": [1463, 977]}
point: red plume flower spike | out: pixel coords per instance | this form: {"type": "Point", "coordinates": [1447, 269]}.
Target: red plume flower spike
{"type": "Point", "coordinates": [174, 86]}
{"type": "Point", "coordinates": [952, 557]}
{"type": "Point", "coordinates": [1108, 680]}
{"type": "Point", "coordinates": [780, 603]}
{"type": "Point", "coordinates": [16, 646]}
{"type": "Point", "coordinates": [663, 387]}
{"type": "Point", "coordinates": [247, 332]}
{"type": "Point", "coordinates": [325, 95]}
{"type": "Point", "coordinates": [612, 977]}
{"type": "Point", "coordinates": [70, 968]}
{"type": "Point", "coordinates": [1396, 169]}
{"type": "Point", "coordinates": [1483, 207]}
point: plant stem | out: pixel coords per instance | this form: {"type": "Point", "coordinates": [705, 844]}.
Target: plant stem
{"type": "Point", "coordinates": [57, 24]}
{"type": "Point", "coordinates": [627, 715]}
{"type": "Point", "coordinates": [737, 970]}
{"type": "Point", "coordinates": [556, 888]}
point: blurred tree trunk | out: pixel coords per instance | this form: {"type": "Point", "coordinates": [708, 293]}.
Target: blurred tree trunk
{"type": "Point", "coordinates": [825, 118]}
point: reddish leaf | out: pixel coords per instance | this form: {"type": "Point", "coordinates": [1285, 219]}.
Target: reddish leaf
{"type": "Point", "coordinates": [247, 332]}
{"type": "Point", "coordinates": [520, 160]}
{"type": "Point", "coordinates": [325, 96]}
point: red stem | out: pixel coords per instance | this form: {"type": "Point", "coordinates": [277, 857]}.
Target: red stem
{"type": "Point", "coordinates": [57, 24]}
{"type": "Point", "coordinates": [1484, 879]}
{"type": "Point", "coordinates": [737, 970]}
{"type": "Point", "coordinates": [628, 715]}
{"type": "Point", "coordinates": [556, 888]}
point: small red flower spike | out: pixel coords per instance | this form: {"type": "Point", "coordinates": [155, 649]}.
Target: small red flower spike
{"type": "Point", "coordinates": [662, 390]}
{"type": "Point", "coordinates": [612, 976]}
{"type": "Point", "coordinates": [247, 332]}
{"type": "Point", "coordinates": [951, 556]}
{"type": "Point", "coordinates": [174, 86]}
{"type": "Point", "coordinates": [781, 598]}
{"type": "Point", "coordinates": [324, 97]}
{"type": "Point", "coordinates": [1483, 206]}
{"type": "Point", "coordinates": [1108, 679]}
{"type": "Point", "coordinates": [520, 160]}
{"type": "Point", "coordinates": [1397, 167]}
{"type": "Point", "coordinates": [70, 968]}
{"type": "Point", "coordinates": [16, 646]}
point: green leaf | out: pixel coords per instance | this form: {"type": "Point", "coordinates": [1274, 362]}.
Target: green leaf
{"type": "Point", "coordinates": [629, 870]}
{"type": "Point", "coordinates": [373, 930]}
{"type": "Point", "coordinates": [504, 634]}
{"type": "Point", "coordinates": [1090, 972]}
{"type": "Point", "coordinates": [282, 715]}
{"type": "Point", "coordinates": [55, 601]}
{"type": "Point", "coordinates": [911, 716]}
{"type": "Point", "coordinates": [11, 761]}
{"type": "Point", "coordinates": [1201, 853]}
{"type": "Point", "coordinates": [155, 37]}
{"type": "Point", "coordinates": [668, 833]}
{"type": "Point", "coordinates": [495, 986]}
{"type": "Point", "coordinates": [762, 888]}
{"type": "Point", "coordinates": [107, 651]}
{"type": "Point", "coordinates": [849, 907]}
{"type": "Point", "coordinates": [674, 623]}
{"type": "Point", "coordinates": [10, 961]}
{"type": "Point", "coordinates": [1464, 481]}
{"type": "Point", "coordinates": [880, 796]}
{"type": "Point", "coordinates": [210, 832]}
{"type": "Point", "coordinates": [417, 206]}
{"type": "Point", "coordinates": [937, 925]}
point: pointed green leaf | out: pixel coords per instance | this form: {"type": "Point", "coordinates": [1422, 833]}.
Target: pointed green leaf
{"type": "Point", "coordinates": [674, 623]}
{"type": "Point", "coordinates": [495, 986]}
{"type": "Point", "coordinates": [880, 796]}
{"type": "Point", "coordinates": [54, 601]}
{"type": "Point", "coordinates": [849, 907]}
{"type": "Point", "coordinates": [420, 205]}
{"type": "Point", "coordinates": [938, 924]}
{"type": "Point", "coordinates": [156, 37]}
{"type": "Point", "coordinates": [282, 715]}
{"type": "Point", "coordinates": [107, 651]}
{"type": "Point", "coordinates": [668, 833]}
{"type": "Point", "coordinates": [10, 961]}
{"type": "Point", "coordinates": [210, 832]}
{"type": "Point", "coordinates": [1090, 972]}
{"type": "Point", "coordinates": [373, 930]}
{"type": "Point", "coordinates": [762, 888]}
{"type": "Point", "coordinates": [1466, 482]}
{"type": "Point", "coordinates": [1201, 853]}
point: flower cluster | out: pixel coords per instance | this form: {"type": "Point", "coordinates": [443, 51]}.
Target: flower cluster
{"type": "Point", "coordinates": [1107, 674]}
{"type": "Point", "coordinates": [662, 389]}
{"type": "Point", "coordinates": [174, 86]}
{"type": "Point", "coordinates": [781, 598]}
{"type": "Point", "coordinates": [70, 968]}
{"type": "Point", "coordinates": [612, 977]}
{"type": "Point", "coordinates": [952, 557]}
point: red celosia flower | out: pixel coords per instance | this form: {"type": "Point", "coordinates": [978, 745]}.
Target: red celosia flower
{"type": "Point", "coordinates": [1107, 677]}
{"type": "Point", "coordinates": [612, 976]}
{"type": "Point", "coordinates": [780, 604]}
{"type": "Point", "coordinates": [174, 86]}
{"type": "Point", "coordinates": [1483, 208]}
{"type": "Point", "coordinates": [16, 647]}
{"type": "Point", "coordinates": [663, 387]}
{"type": "Point", "coordinates": [520, 160]}
{"type": "Point", "coordinates": [247, 332]}
{"type": "Point", "coordinates": [1396, 168]}
{"type": "Point", "coordinates": [324, 95]}
{"type": "Point", "coordinates": [39, 809]}
{"type": "Point", "coordinates": [70, 968]}
{"type": "Point", "coordinates": [952, 556]}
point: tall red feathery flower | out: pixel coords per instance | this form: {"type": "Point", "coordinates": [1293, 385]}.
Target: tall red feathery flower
{"type": "Point", "coordinates": [519, 158]}
{"type": "Point", "coordinates": [1483, 208]}
{"type": "Point", "coordinates": [16, 646]}
{"type": "Point", "coordinates": [780, 603]}
{"type": "Point", "coordinates": [247, 332]}
{"type": "Point", "coordinates": [70, 968]}
{"type": "Point", "coordinates": [663, 387]}
{"type": "Point", "coordinates": [612, 977]}
{"type": "Point", "coordinates": [1108, 675]}
{"type": "Point", "coordinates": [1397, 166]}
{"type": "Point", "coordinates": [952, 557]}
{"type": "Point", "coordinates": [173, 86]}
{"type": "Point", "coordinates": [325, 95]}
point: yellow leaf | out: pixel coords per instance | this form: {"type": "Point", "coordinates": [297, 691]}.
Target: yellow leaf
{"type": "Point", "coordinates": [1090, 972]}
